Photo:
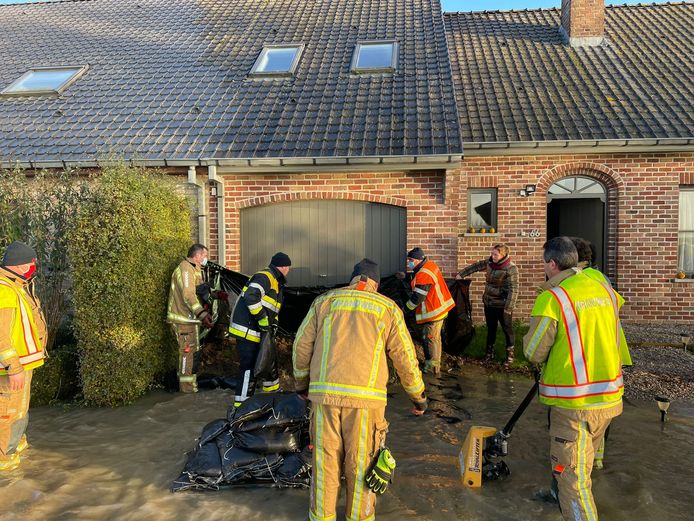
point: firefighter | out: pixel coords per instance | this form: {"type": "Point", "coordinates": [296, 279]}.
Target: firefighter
{"type": "Point", "coordinates": [23, 336]}
{"type": "Point", "coordinates": [339, 362]}
{"type": "Point", "coordinates": [586, 253]}
{"type": "Point", "coordinates": [431, 301]}
{"type": "Point", "coordinates": [575, 334]}
{"type": "Point", "coordinates": [186, 314]}
{"type": "Point", "coordinates": [256, 312]}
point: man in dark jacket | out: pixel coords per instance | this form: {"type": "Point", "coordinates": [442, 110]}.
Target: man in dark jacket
{"type": "Point", "coordinates": [255, 312]}
{"type": "Point", "coordinates": [499, 298]}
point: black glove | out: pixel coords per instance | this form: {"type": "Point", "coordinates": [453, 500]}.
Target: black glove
{"type": "Point", "coordinates": [421, 406]}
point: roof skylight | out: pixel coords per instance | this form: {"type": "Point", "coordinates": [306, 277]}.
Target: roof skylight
{"type": "Point", "coordinates": [277, 60]}
{"type": "Point", "coordinates": [375, 56]}
{"type": "Point", "coordinates": [44, 80]}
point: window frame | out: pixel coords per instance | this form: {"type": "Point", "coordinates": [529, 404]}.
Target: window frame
{"type": "Point", "coordinates": [680, 231]}
{"type": "Point", "coordinates": [79, 72]}
{"type": "Point", "coordinates": [370, 70]}
{"type": "Point", "coordinates": [255, 73]}
{"type": "Point", "coordinates": [494, 192]}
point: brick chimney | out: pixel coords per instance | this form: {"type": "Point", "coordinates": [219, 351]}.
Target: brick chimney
{"type": "Point", "coordinates": [582, 22]}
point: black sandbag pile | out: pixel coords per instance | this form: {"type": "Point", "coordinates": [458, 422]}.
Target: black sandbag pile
{"type": "Point", "coordinates": [264, 441]}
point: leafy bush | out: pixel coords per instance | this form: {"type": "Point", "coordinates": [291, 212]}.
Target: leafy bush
{"type": "Point", "coordinates": [127, 239]}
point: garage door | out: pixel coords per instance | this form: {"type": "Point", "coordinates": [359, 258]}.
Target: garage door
{"type": "Point", "coordinates": [324, 238]}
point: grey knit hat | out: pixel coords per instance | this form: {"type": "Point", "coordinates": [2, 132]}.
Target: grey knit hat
{"type": "Point", "coordinates": [17, 254]}
{"type": "Point", "coordinates": [368, 268]}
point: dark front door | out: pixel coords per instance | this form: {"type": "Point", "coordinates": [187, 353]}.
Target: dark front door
{"type": "Point", "coordinates": [578, 218]}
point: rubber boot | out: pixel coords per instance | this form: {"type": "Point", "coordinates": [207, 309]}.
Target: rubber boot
{"type": "Point", "coordinates": [509, 357]}
{"type": "Point", "coordinates": [489, 356]}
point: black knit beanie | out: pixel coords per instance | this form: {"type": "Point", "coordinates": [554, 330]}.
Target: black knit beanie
{"type": "Point", "coordinates": [368, 268]}
{"type": "Point", "coordinates": [280, 260]}
{"type": "Point", "coordinates": [416, 253]}
{"type": "Point", "coordinates": [17, 254]}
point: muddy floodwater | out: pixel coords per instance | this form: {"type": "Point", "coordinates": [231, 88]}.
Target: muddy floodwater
{"type": "Point", "coordinates": [118, 464]}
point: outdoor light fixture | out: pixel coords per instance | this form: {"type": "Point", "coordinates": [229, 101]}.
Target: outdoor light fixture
{"type": "Point", "coordinates": [663, 405]}
{"type": "Point", "coordinates": [685, 338]}
{"type": "Point", "coordinates": [528, 190]}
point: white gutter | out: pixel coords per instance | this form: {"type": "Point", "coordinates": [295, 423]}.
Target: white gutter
{"type": "Point", "coordinates": [202, 207]}
{"type": "Point", "coordinates": [585, 146]}
{"type": "Point", "coordinates": [221, 223]}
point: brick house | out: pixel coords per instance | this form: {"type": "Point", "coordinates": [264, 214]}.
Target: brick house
{"type": "Point", "coordinates": [333, 130]}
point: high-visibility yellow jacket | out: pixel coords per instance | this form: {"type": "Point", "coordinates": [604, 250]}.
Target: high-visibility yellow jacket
{"type": "Point", "coordinates": [430, 298]}
{"type": "Point", "coordinates": [261, 297]}
{"type": "Point", "coordinates": [22, 325]}
{"type": "Point", "coordinates": [600, 277]}
{"type": "Point", "coordinates": [575, 331]}
{"type": "Point", "coordinates": [184, 306]}
{"type": "Point", "coordinates": [340, 350]}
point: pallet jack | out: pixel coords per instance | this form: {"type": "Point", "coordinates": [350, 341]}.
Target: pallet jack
{"type": "Point", "coordinates": [481, 453]}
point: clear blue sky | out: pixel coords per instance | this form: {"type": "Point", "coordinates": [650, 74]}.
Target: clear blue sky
{"type": "Point", "coordinates": [474, 5]}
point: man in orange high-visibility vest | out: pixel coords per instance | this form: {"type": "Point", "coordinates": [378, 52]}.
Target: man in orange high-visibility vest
{"type": "Point", "coordinates": [23, 335]}
{"type": "Point", "coordinates": [575, 334]}
{"type": "Point", "coordinates": [431, 302]}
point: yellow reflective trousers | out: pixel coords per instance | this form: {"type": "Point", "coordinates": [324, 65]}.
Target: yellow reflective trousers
{"type": "Point", "coordinates": [346, 441]}
{"type": "Point", "coordinates": [14, 417]}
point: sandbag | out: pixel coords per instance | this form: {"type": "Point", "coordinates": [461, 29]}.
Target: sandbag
{"type": "Point", "coordinates": [266, 361]}
{"type": "Point", "coordinates": [296, 469]}
{"type": "Point", "coordinates": [204, 461]}
{"type": "Point", "coordinates": [268, 440]}
{"type": "Point", "coordinates": [255, 407]}
{"type": "Point", "coordinates": [240, 465]}
{"type": "Point", "coordinates": [459, 329]}
{"type": "Point", "coordinates": [288, 409]}
{"type": "Point", "coordinates": [212, 430]}
{"type": "Point", "coordinates": [206, 381]}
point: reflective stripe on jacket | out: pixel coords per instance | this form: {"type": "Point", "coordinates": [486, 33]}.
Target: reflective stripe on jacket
{"type": "Point", "coordinates": [341, 347]}
{"type": "Point", "coordinates": [184, 306]}
{"type": "Point", "coordinates": [261, 297]}
{"type": "Point", "coordinates": [438, 301]}
{"type": "Point", "coordinates": [22, 338]}
{"type": "Point", "coordinates": [583, 367]}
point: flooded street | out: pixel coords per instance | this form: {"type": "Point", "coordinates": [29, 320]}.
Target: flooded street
{"type": "Point", "coordinates": [118, 464]}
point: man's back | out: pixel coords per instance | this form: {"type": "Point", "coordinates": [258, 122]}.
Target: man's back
{"type": "Point", "coordinates": [343, 344]}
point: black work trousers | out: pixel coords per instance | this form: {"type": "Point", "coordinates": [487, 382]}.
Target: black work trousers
{"type": "Point", "coordinates": [495, 316]}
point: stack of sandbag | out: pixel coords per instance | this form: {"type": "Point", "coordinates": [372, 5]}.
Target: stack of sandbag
{"type": "Point", "coordinates": [264, 441]}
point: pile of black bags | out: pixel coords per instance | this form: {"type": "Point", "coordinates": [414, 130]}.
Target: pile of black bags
{"type": "Point", "coordinates": [264, 441]}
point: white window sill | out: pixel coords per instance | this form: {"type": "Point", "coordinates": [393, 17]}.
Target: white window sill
{"type": "Point", "coordinates": [477, 234]}
{"type": "Point", "coordinates": [685, 281]}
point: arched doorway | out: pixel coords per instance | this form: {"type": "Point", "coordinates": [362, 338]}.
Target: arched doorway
{"type": "Point", "coordinates": [576, 206]}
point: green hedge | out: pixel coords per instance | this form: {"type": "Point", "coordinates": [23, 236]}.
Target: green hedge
{"type": "Point", "coordinates": [126, 241]}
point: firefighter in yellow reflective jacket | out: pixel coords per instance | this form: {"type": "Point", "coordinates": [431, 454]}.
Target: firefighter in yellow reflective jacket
{"type": "Point", "coordinates": [255, 312]}
{"type": "Point", "coordinates": [339, 359]}
{"type": "Point", "coordinates": [186, 314]}
{"type": "Point", "coordinates": [23, 335]}
{"type": "Point", "coordinates": [431, 301]}
{"type": "Point", "coordinates": [575, 334]}
{"type": "Point", "coordinates": [586, 254]}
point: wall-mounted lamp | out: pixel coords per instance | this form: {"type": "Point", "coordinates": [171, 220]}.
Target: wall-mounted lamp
{"type": "Point", "coordinates": [528, 190]}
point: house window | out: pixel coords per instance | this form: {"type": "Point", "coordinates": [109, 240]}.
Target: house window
{"type": "Point", "coordinates": [277, 60]}
{"type": "Point", "coordinates": [481, 205]}
{"type": "Point", "coordinates": [379, 56]}
{"type": "Point", "coordinates": [685, 254]}
{"type": "Point", "coordinates": [44, 80]}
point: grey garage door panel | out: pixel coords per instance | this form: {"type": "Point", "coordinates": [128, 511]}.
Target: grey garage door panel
{"type": "Point", "coordinates": [324, 238]}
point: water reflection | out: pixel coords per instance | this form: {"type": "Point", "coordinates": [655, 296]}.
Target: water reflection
{"type": "Point", "coordinates": [113, 464]}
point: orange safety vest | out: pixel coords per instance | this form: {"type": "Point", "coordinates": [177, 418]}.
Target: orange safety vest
{"type": "Point", "coordinates": [438, 302]}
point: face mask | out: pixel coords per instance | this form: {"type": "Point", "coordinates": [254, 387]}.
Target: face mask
{"type": "Point", "coordinates": [204, 262]}
{"type": "Point", "coordinates": [30, 272]}
{"type": "Point", "coordinates": [410, 264]}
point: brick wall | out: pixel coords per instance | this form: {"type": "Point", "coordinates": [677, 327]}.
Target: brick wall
{"type": "Point", "coordinates": [583, 18]}
{"type": "Point", "coordinates": [431, 199]}
{"type": "Point", "coordinates": [642, 213]}
{"type": "Point", "coordinates": [642, 201]}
